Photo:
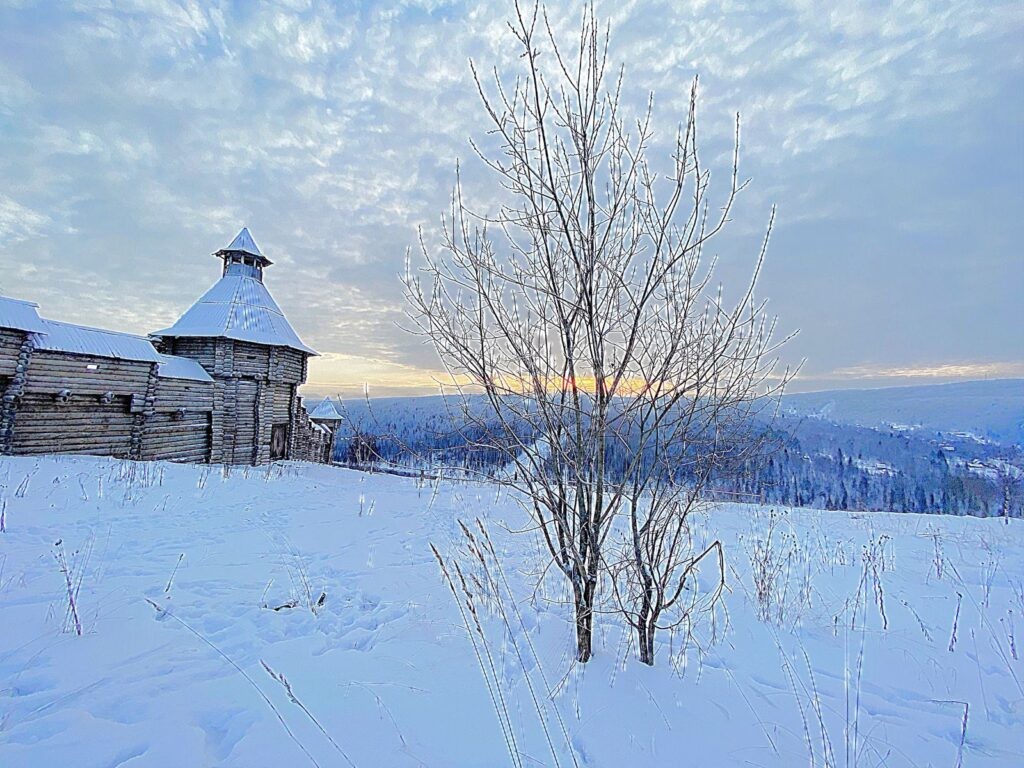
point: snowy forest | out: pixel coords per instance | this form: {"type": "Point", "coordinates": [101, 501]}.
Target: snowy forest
{"type": "Point", "coordinates": [807, 459]}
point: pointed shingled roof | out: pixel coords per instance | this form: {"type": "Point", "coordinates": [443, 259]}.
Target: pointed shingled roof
{"type": "Point", "coordinates": [326, 410]}
{"type": "Point", "coordinates": [243, 242]}
{"type": "Point", "coordinates": [238, 307]}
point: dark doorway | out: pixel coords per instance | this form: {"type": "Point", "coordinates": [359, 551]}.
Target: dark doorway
{"type": "Point", "coordinates": [278, 441]}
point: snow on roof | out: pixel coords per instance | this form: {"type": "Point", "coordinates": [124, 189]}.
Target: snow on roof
{"type": "Point", "coordinates": [243, 242]}
{"type": "Point", "coordinates": [20, 315]}
{"type": "Point", "coordinates": [172, 367]}
{"type": "Point", "coordinates": [56, 336]}
{"type": "Point", "coordinates": [326, 411]}
{"type": "Point", "coordinates": [238, 307]}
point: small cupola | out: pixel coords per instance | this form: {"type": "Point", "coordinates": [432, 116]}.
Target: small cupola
{"type": "Point", "coordinates": [243, 257]}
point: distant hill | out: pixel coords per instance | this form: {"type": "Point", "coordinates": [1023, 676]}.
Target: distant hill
{"type": "Point", "coordinates": [936, 448]}
{"type": "Point", "coordinates": [990, 409]}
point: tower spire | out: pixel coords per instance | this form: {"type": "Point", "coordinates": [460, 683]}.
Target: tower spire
{"type": "Point", "coordinates": [243, 256]}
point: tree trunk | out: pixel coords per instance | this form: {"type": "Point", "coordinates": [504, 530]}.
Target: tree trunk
{"type": "Point", "coordinates": [646, 627]}
{"type": "Point", "coordinates": [644, 623]}
{"type": "Point", "coordinates": [645, 642]}
{"type": "Point", "coordinates": [584, 634]}
{"type": "Point", "coordinates": [584, 600]}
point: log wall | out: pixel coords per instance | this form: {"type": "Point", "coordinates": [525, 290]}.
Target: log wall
{"type": "Point", "coordinates": [178, 437]}
{"type": "Point", "coordinates": [55, 402]}
{"type": "Point", "coordinates": [310, 444]}
{"type": "Point", "coordinates": [203, 351]}
{"type": "Point", "coordinates": [81, 425]}
{"type": "Point", "coordinates": [10, 344]}
{"type": "Point", "coordinates": [15, 355]}
{"type": "Point", "coordinates": [255, 389]}
{"type": "Point", "coordinates": [71, 403]}
{"type": "Point", "coordinates": [54, 371]}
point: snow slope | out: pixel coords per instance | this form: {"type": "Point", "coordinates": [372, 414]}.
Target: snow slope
{"type": "Point", "coordinates": [387, 669]}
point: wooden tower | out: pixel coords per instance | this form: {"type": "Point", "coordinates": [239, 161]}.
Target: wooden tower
{"type": "Point", "coordinates": [326, 414]}
{"type": "Point", "coordinates": [238, 334]}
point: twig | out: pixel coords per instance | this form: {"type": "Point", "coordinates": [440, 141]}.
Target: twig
{"type": "Point", "coordinates": [168, 587]}
{"type": "Point", "coordinates": [956, 619]}
{"type": "Point", "coordinates": [963, 728]}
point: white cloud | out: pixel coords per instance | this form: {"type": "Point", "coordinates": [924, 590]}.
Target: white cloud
{"type": "Point", "coordinates": [959, 370]}
{"type": "Point", "coordinates": [18, 223]}
{"type": "Point", "coordinates": [333, 129]}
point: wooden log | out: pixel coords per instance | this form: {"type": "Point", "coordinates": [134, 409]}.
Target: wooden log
{"type": "Point", "coordinates": [156, 452]}
{"type": "Point", "coordinates": [83, 451]}
{"type": "Point", "coordinates": [40, 421]}
{"type": "Point", "coordinates": [203, 351]}
{"type": "Point", "coordinates": [56, 441]}
{"type": "Point", "coordinates": [178, 427]}
{"type": "Point", "coordinates": [10, 348]}
{"type": "Point", "coordinates": [199, 430]}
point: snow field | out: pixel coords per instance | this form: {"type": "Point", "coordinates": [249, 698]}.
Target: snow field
{"type": "Point", "coordinates": [845, 639]}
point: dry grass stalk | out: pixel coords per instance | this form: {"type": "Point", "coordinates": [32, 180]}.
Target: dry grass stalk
{"type": "Point", "coordinates": [69, 581]}
{"type": "Point", "coordinates": [279, 677]}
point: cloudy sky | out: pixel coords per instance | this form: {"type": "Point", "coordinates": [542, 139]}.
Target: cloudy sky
{"type": "Point", "coordinates": [138, 136]}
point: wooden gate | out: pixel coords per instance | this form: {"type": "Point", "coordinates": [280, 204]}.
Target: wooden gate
{"type": "Point", "coordinates": [278, 441]}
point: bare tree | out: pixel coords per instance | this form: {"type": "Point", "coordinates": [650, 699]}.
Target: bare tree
{"type": "Point", "coordinates": [712, 432]}
{"type": "Point", "coordinates": [577, 324]}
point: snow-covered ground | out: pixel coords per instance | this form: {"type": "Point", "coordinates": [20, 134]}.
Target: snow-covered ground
{"type": "Point", "coordinates": [177, 570]}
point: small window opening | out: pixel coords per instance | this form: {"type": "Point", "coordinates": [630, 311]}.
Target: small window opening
{"type": "Point", "coordinates": [93, 367]}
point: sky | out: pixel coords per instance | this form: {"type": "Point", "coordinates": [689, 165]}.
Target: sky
{"type": "Point", "coordinates": [137, 137]}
